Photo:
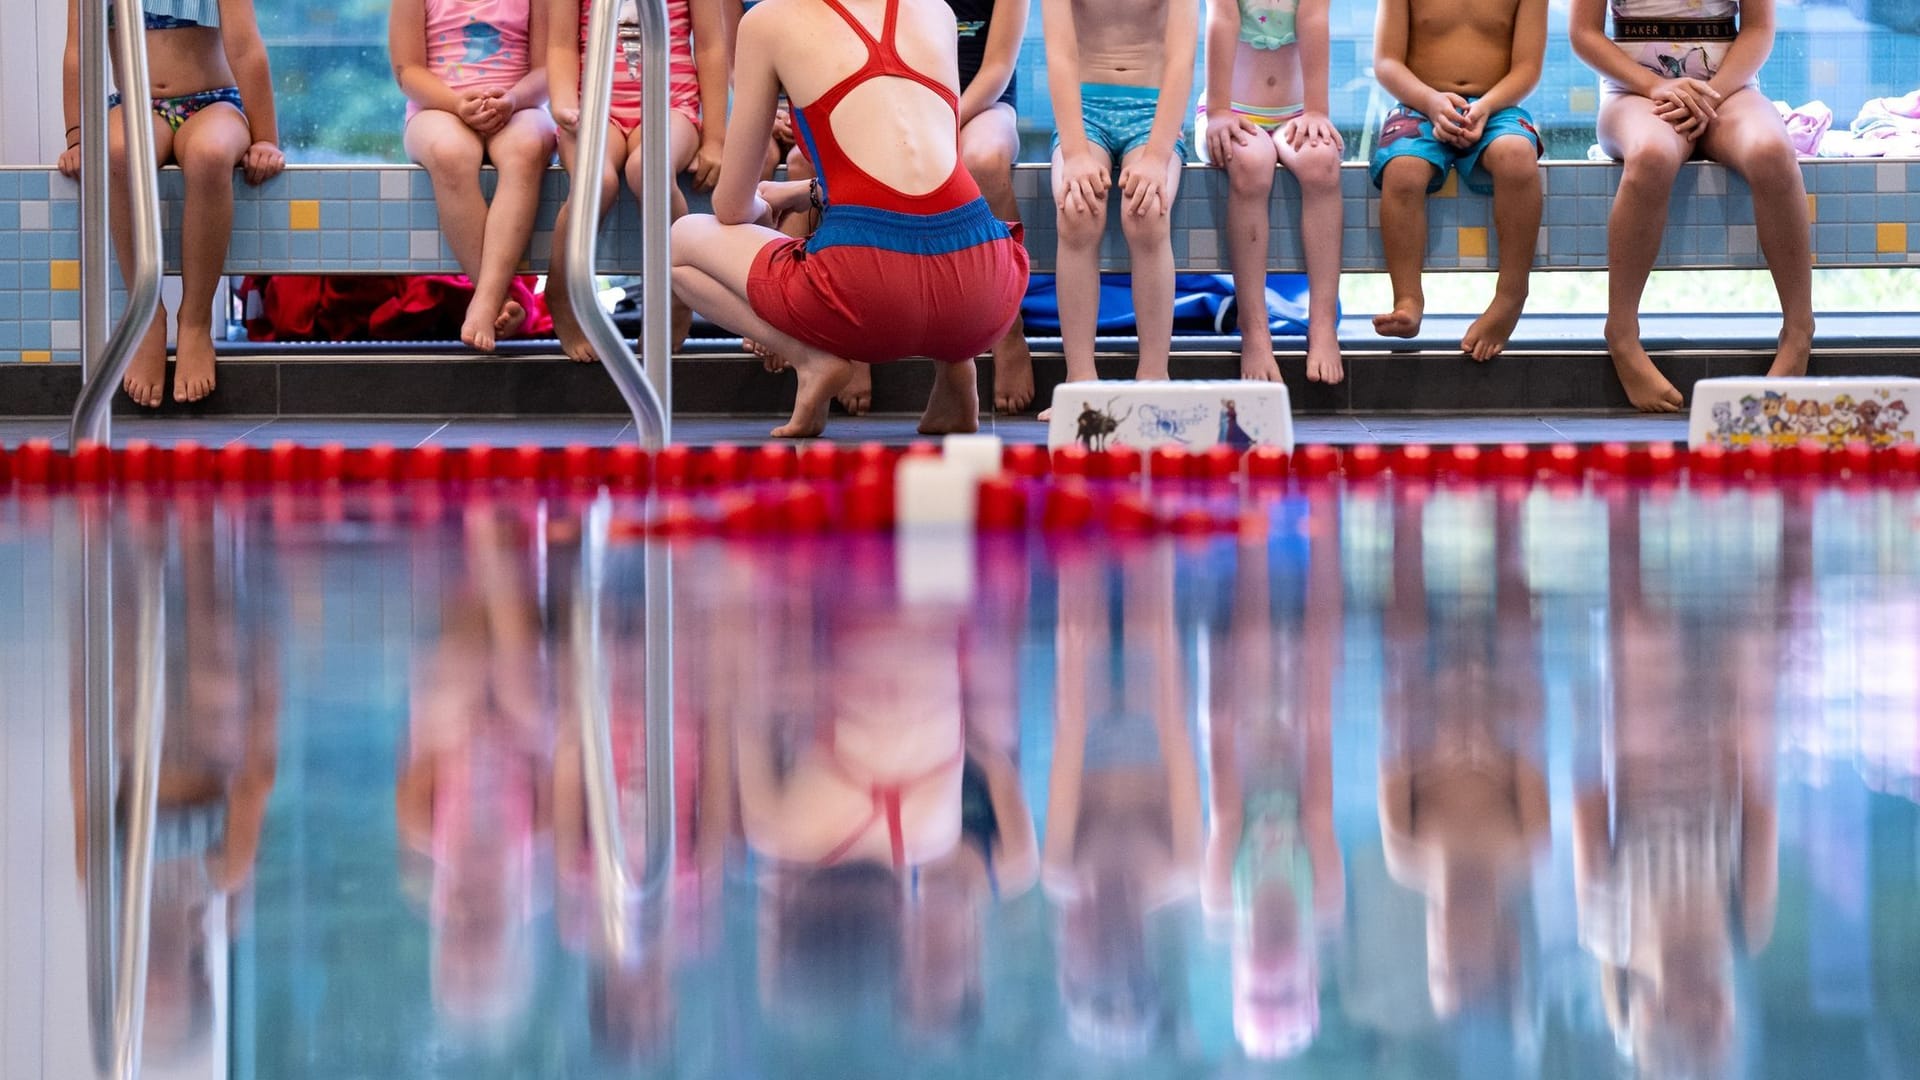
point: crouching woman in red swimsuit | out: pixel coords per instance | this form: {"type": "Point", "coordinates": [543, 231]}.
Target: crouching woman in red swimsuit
{"type": "Point", "coordinates": [907, 261]}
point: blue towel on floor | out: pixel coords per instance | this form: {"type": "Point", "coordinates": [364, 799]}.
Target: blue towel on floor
{"type": "Point", "coordinates": [1202, 304]}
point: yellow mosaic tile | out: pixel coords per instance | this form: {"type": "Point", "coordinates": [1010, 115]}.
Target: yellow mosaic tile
{"type": "Point", "coordinates": [36, 356]}
{"type": "Point", "coordinates": [303, 215]}
{"type": "Point", "coordinates": [1813, 208]}
{"type": "Point", "coordinates": [1451, 188]}
{"type": "Point", "coordinates": [1473, 242]}
{"type": "Point", "coordinates": [65, 274]}
{"type": "Point", "coordinates": [1890, 237]}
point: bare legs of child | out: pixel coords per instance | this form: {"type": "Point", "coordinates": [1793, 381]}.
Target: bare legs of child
{"type": "Point", "coordinates": [207, 148]}
{"type": "Point", "coordinates": [623, 157]}
{"type": "Point", "coordinates": [1512, 162]}
{"type": "Point", "coordinates": [1749, 137]}
{"type": "Point", "coordinates": [488, 241]}
{"type": "Point", "coordinates": [1077, 273]}
{"type": "Point", "coordinates": [1250, 175]}
{"type": "Point", "coordinates": [711, 263]}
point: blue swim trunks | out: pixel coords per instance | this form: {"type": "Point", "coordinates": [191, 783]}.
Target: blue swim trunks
{"type": "Point", "coordinates": [1408, 132]}
{"type": "Point", "coordinates": [1119, 119]}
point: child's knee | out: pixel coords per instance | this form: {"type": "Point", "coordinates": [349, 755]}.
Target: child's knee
{"type": "Point", "coordinates": [1772, 159]}
{"type": "Point", "coordinates": [207, 159]}
{"type": "Point", "coordinates": [451, 158]}
{"type": "Point", "coordinates": [1081, 228]}
{"type": "Point", "coordinates": [1407, 176]}
{"type": "Point", "coordinates": [1146, 233]}
{"type": "Point", "coordinates": [985, 158]}
{"type": "Point", "coordinates": [1512, 159]}
{"type": "Point", "coordinates": [1250, 172]}
{"type": "Point", "coordinates": [1317, 168]}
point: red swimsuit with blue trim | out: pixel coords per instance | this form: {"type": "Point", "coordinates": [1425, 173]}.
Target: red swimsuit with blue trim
{"type": "Point", "coordinates": [889, 275]}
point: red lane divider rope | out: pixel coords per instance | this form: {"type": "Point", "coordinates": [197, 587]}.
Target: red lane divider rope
{"type": "Point", "coordinates": [776, 489]}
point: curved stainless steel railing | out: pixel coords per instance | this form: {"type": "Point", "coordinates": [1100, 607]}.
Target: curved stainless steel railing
{"type": "Point", "coordinates": [648, 393]}
{"type": "Point", "coordinates": [106, 357]}
{"type": "Point", "coordinates": [119, 905]}
{"type": "Point", "coordinates": [618, 894]}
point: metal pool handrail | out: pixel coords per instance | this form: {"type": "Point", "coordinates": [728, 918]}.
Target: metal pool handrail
{"type": "Point", "coordinates": [120, 906]}
{"type": "Point", "coordinates": [106, 360]}
{"type": "Point", "coordinates": [647, 394]}
{"type": "Point", "coordinates": [619, 895]}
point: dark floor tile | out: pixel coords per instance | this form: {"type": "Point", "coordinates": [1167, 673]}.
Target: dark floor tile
{"type": "Point", "coordinates": [495, 387]}
{"type": "Point", "coordinates": [1417, 381]}
{"type": "Point", "coordinates": [241, 388]}
{"type": "Point", "coordinates": [38, 389]}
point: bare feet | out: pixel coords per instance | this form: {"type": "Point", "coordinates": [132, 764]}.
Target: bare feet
{"type": "Point", "coordinates": [1796, 345]}
{"type": "Point", "coordinates": [1487, 337]}
{"type": "Point", "coordinates": [821, 377]}
{"type": "Point", "coordinates": [1323, 356]}
{"type": "Point", "coordinates": [1012, 371]}
{"type": "Point", "coordinates": [477, 329]}
{"type": "Point", "coordinates": [1645, 386]}
{"type": "Point", "coordinates": [146, 380]}
{"type": "Point", "coordinates": [954, 406]}
{"type": "Point", "coordinates": [1404, 320]}
{"type": "Point", "coordinates": [573, 341]}
{"type": "Point", "coordinates": [857, 396]}
{"type": "Point", "coordinates": [769, 359]}
{"type": "Point", "coordinates": [193, 363]}
{"type": "Point", "coordinates": [512, 319]}
{"type": "Point", "coordinates": [1256, 356]}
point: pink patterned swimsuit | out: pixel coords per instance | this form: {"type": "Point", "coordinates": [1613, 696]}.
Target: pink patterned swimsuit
{"type": "Point", "coordinates": [477, 44]}
{"type": "Point", "coordinates": [683, 83]}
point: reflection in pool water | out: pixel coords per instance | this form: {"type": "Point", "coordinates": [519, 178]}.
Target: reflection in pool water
{"type": "Point", "coordinates": [1403, 781]}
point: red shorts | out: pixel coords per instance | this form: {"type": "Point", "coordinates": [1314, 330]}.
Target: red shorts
{"type": "Point", "coordinates": [851, 291]}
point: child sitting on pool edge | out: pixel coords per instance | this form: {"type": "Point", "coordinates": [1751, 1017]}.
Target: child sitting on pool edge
{"type": "Point", "coordinates": [1266, 103]}
{"type": "Point", "coordinates": [1459, 72]}
{"type": "Point", "coordinates": [474, 87]}
{"type": "Point", "coordinates": [212, 111]}
{"type": "Point", "coordinates": [699, 68]}
{"type": "Point", "coordinates": [1121, 74]}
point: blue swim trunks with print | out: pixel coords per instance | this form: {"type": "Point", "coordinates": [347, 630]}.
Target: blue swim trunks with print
{"type": "Point", "coordinates": [1408, 132]}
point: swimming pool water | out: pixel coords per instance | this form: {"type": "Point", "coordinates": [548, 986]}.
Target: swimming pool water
{"type": "Point", "coordinates": [1392, 781]}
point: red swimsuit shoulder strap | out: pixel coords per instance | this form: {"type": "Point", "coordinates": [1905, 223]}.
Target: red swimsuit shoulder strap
{"type": "Point", "coordinates": [874, 45]}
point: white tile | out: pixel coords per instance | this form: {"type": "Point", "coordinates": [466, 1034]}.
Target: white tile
{"type": "Point", "coordinates": [1742, 240]}
{"type": "Point", "coordinates": [33, 215]}
{"type": "Point", "coordinates": [1890, 177]}
{"type": "Point", "coordinates": [1712, 180]}
{"type": "Point", "coordinates": [1540, 246]}
{"type": "Point", "coordinates": [66, 333]}
{"type": "Point", "coordinates": [394, 184]}
{"type": "Point", "coordinates": [423, 244]}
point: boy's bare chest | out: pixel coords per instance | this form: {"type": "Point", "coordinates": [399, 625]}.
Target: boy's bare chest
{"type": "Point", "coordinates": [1439, 18]}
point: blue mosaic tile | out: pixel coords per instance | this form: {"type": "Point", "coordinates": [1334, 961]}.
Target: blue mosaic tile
{"type": "Point", "coordinates": [33, 185]}
{"type": "Point", "coordinates": [333, 245]}
{"type": "Point", "coordinates": [360, 215]}
{"type": "Point", "coordinates": [393, 214]}
{"type": "Point", "coordinates": [335, 185]}
{"type": "Point", "coordinates": [9, 306]}
{"type": "Point", "coordinates": [36, 335]}
{"type": "Point", "coordinates": [66, 304]}
{"type": "Point", "coordinates": [10, 337]}
{"type": "Point", "coordinates": [9, 184]}
{"type": "Point", "coordinates": [365, 184]}
{"type": "Point", "coordinates": [393, 247]}
{"type": "Point", "coordinates": [33, 245]}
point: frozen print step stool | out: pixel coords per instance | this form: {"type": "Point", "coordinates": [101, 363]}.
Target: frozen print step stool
{"type": "Point", "coordinates": [1102, 415]}
{"type": "Point", "coordinates": [1736, 413]}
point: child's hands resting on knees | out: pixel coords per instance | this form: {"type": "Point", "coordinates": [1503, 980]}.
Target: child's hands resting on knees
{"type": "Point", "coordinates": [1226, 132]}
{"type": "Point", "coordinates": [481, 111]}
{"type": "Point", "coordinates": [1688, 104]}
{"type": "Point", "coordinates": [1473, 122]}
{"type": "Point", "coordinates": [1313, 129]}
{"type": "Point", "coordinates": [263, 162]}
{"type": "Point", "coordinates": [1083, 182]}
{"type": "Point", "coordinates": [1448, 115]}
{"type": "Point", "coordinates": [1144, 183]}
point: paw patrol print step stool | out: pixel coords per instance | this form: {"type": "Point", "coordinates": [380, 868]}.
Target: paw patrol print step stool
{"type": "Point", "coordinates": [1737, 413]}
{"type": "Point", "coordinates": [1103, 415]}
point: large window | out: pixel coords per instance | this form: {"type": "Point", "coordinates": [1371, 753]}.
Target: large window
{"type": "Point", "coordinates": [338, 101]}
